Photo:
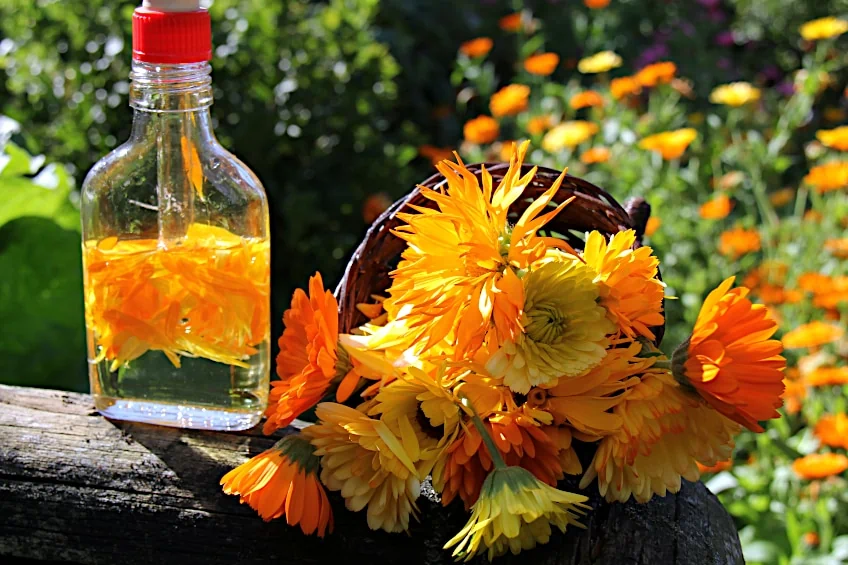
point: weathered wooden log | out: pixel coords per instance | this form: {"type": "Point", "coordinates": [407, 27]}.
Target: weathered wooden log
{"type": "Point", "coordinates": [75, 487]}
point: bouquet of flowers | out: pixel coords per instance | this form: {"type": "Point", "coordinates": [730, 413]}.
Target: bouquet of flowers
{"type": "Point", "coordinates": [498, 345]}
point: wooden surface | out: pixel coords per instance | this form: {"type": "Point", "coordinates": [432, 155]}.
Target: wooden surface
{"type": "Point", "coordinates": [75, 487]}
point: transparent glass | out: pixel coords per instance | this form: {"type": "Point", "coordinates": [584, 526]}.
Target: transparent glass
{"type": "Point", "coordinates": [176, 263]}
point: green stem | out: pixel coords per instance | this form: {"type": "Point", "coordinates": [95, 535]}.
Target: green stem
{"type": "Point", "coordinates": [800, 202]}
{"type": "Point", "coordinates": [662, 364]}
{"type": "Point", "coordinates": [494, 452]}
{"type": "Point", "coordinates": [781, 446]}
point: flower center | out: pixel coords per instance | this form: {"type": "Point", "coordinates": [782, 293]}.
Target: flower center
{"type": "Point", "coordinates": [547, 324]}
{"type": "Point", "coordinates": [537, 396]}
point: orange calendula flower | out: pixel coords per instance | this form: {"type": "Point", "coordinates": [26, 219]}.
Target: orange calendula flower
{"type": "Point", "coordinates": [782, 197]}
{"type": "Point", "coordinates": [541, 64]}
{"type": "Point", "coordinates": [738, 241]}
{"type": "Point", "coordinates": [812, 334]}
{"type": "Point", "coordinates": [442, 292]}
{"type": "Point", "coordinates": [820, 465]}
{"type": "Point", "coordinates": [585, 99]}
{"type": "Point", "coordinates": [595, 155]}
{"type": "Point", "coordinates": [568, 135]}
{"type": "Point", "coordinates": [480, 130]}
{"type": "Point", "coordinates": [827, 376]}
{"type": "Point", "coordinates": [735, 94]}
{"type": "Point", "coordinates": [652, 226]}
{"type": "Point", "coordinates": [509, 100]}
{"type": "Point", "coordinates": [624, 86]}
{"type": "Point", "coordinates": [596, 4]}
{"type": "Point", "coordinates": [827, 177]}
{"type": "Point", "coordinates": [375, 205]}
{"type": "Point", "coordinates": [283, 481]}
{"type": "Point", "coordinates": [835, 138]}
{"type": "Point", "coordinates": [629, 289]}
{"type": "Point", "coordinates": [730, 359]}
{"type": "Point", "coordinates": [310, 358]}
{"type": "Point", "coordinates": [512, 22]}
{"type": "Point", "coordinates": [823, 28]}
{"type": "Point", "coordinates": [837, 247]}
{"type": "Point", "coordinates": [476, 47]}
{"type": "Point", "coordinates": [670, 144]}
{"type": "Point", "coordinates": [717, 468]}
{"type": "Point", "coordinates": [656, 73]}
{"type": "Point", "coordinates": [205, 297]}
{"type": "Point", "coordinates": [717, 208]}
{"type": "Point", "coordinates": [435, 154]}
{"type": "Point", "coordinates": [832, 430]}
{"type": "Point", "coordinates": [599, 63]}
{"type": "Point", "coordinates": [794, 394]}
{"type": "Point", "coordinates": [539, 124]}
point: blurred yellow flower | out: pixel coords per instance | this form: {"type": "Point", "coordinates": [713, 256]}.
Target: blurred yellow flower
{"type": "Point", "coordinates": [834, 138]}
{"type": "Point", "coordinates": [595, 155]}
{"type": "Point", "coordinates": [568, 134]}
{"type": "Point", "coordinates": [669, 144]}
{"type": "Point", "coordinates": [717, 208]}
{"type": "Point", "coordinates": [541, 64]}
{"type": "Point", "coordinates": [823, 28]}
{"type": "Point", "coordinates": [624, 86]}
{"type": "Point", "coordinates": [596, 4]}
{"type": "Point", "coordinates": [539, 124]}
{"type": "Point", "coordinates": [476, 47]}
{"type": "Point", "coordinates": [735, 94]}
{"type": "Point", "coordinates": [656, 73]}
{"type": "Point", "coordinates": [482, 129]}
{"type": "Point", "coordinates": [738, 241]}
{"type": "Point", "coordinates": [782, 197]}
{"type": "Point", "coordinates": [509, 100]}
{"type": "Point", "coordinates": [812, 334]}
{"type": "Point", "coordinates": [652, 225]}
{"type": "Point", "coordinates": [837, 247]}
{"type": "Point", "coordinates": [599, 63]}
{"type": "Point", "coordinates": [585, 99]}
{"type": "Point", "coordinates": [827, 177]}
{"type": "Point", "coordinates": [512, 22]}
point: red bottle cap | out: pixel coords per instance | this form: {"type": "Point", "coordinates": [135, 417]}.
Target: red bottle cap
{"type": "Point", "coordinates": [171, 37]}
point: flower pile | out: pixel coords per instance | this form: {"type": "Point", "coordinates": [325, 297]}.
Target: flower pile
{"type": "Point", "coordinates": [496, 351]}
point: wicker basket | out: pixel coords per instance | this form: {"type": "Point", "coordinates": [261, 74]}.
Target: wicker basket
{"type": "Point", "coordinates": [593, 208]}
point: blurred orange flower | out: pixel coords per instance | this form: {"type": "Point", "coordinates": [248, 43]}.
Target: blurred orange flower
{"type": "Point", "coordinates": [541, 64]}
{"type": "Point", "coordinates": [717, 468]}
{"type": "Point", "coordinates": [832, 430]}
{"type": "Point", "coordinates": [435, 154]}
{"type": "Point", "coordinates": [812, 539]}
{"type": "Point", "coordinates": [834, 138]}
{"type": "Point", "coordinates": [717, 208]}
{"type": "Point", "coordinates": [652, 225]}
{"type": "Point", "coordinates": [595, 155]}
{"type": "Point", "coordinates": [776, 294]}
{"type": "Point", "coordinates": [827, 177]}
{"type": "Point", "coordinates": [596, 4]}
{"type": "Point", "coordinates": [820, 465]}
{"type": "Point", "coordinates": [837, 247]}
{"type": "Point", "coordinates": [738, 241]}
{"type": "Point", "coordinates": [730, 180]}
{"type": "Point", "coordinates": [670, 144]}
{"type": "Point", "coordinates": [512, 22]}
{"type": "Point", "coordinates": [656, 73]}
{"type": "Point", "coordinates": [812, 334]}
{"type": "Point", "coordinates": [624, 86]}
{"type": "Point", "coordinates": [482, 129]}
{"type": "Point", "coordinates": [476, 47]}
{"type": "Point", "coordinates": [509, 100]}
{"type": "Point", "coordinates": [539, 124]}
{"type": "Point", "coordinates": [375, 205]}
{"type": "Point", "coordinates": [585, 99]}
{"type": "Point", "coordinates": [769, 271]}
{"type": "Point", "coordinates": [793, 395]}
{"type": "Point", "coordinates": [782, 197]}
{"type": "Point", "coordinates": [812, 216]}
{"type": "Point", "coordinates": [827, 376]}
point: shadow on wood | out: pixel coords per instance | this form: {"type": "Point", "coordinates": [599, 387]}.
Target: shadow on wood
{"type": "Point", "coordinates": [75, 487]}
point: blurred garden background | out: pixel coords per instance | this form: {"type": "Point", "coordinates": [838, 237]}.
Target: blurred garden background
{"type": "Point", "coordinates": [728, 116]}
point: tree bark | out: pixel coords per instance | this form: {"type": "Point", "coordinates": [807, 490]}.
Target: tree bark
{"type": "Point", "coordinates": [76, 487]}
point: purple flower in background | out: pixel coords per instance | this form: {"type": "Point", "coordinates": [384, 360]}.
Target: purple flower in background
{"type": "Point", "coordinates": [772, 73]}
{"type": "Point", "coordinates": [725, 39]}
{"type": "Point", "coordinates": [724, 63]}
{"type": "Point", "coordinates": [716, 15]}
{"type": "Point", "coordinates": [785, 88]}
{"type": "Point", "coordinates": [710, 4]}
{"type": "Point", "coordinates": [652, 54]}
{"type": "Point", "coordinates": [687, 28]}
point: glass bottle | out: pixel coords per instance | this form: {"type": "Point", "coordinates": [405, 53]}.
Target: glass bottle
{"type": "Point", "coordinates": [176, 253]}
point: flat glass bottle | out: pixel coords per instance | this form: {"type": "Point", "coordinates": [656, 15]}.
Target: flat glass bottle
{"type": "Point", "coordinates": [176, 253]}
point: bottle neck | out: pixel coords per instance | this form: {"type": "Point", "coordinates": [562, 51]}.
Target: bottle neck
{"type": "Point", "coordinates": [157, 87]}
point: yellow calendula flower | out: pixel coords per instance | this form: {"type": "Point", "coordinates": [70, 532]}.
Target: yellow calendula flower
{"type": "Point", "coordinates": [568, 134]}
{"type": "Point", "coordinates": [628, 287]}
{"type": "Point", "coordinates": [670, 144]}
{"type": "Point", "coordinates": [599, 63]}
{"type": "Point", "coordinates": [370, 465]}
{"type": "Point", "coordinates": [564, 328]}
{"type": "Point", "coordinates": [835, 138]}
{"type": "Point", "coordinates": [823, 28]}
{"type": "Point", "coordinates": [458, 273]}
{"type": "Point", "coordinates": [515, 511]}
{"type": "Point", "coordinates": [735, 94]}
